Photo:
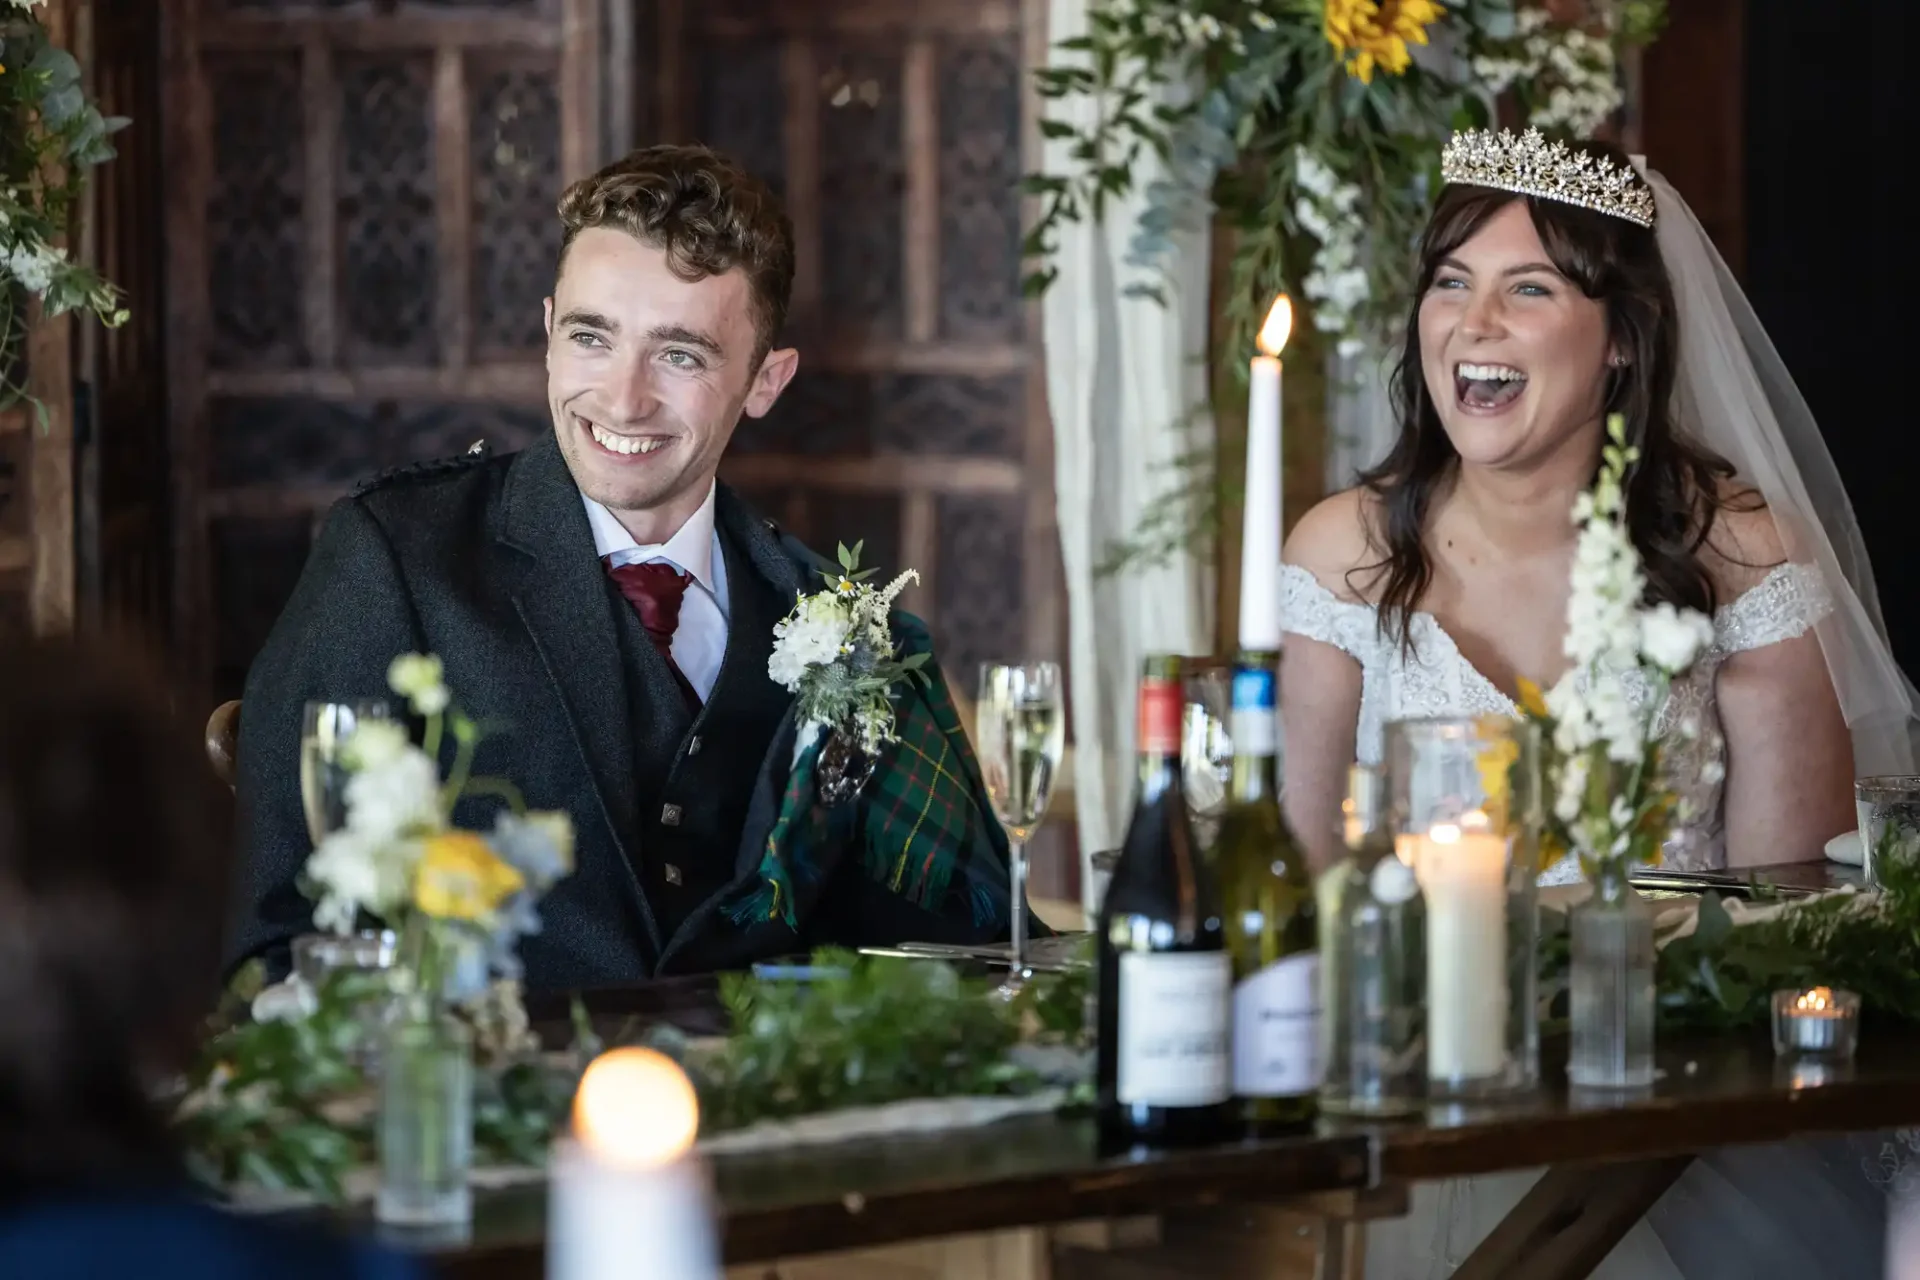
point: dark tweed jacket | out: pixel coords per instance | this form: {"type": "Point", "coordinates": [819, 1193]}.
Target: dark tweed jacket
{"type": "Point", "coordinates": [489, 562]}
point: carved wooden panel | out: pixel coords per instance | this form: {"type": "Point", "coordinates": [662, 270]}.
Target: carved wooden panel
{"type": "Point", "coordinates": [360, 231]}
{"type": "Point", "coordinates": [254, 233]}
{"type": "Point", "coordinates": [977, 615]}
{"type": "Point", "coordinates": [980, 168]}
{"type": "Point", "coordinates": [515, 140]}
{"type": "Point", "coordinates": [388, 235]}
{"type": "Point", "coordinates": [856, 100]}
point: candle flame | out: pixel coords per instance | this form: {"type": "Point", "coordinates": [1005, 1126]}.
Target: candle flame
{"type": "Point", "coordinates": [1816, 1000]}
{"type": "Point", "coordinates": [1273, 334]}
{"type": "Point", "coordinates": [636, 1109]}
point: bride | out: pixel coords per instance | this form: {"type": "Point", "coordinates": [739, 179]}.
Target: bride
{"type": "Point", "coordinates": [1556, 287]}
{"type": "Point", "coordinates": [1440, 581]}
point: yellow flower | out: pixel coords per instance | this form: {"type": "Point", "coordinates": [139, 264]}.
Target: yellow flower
{"type": "Point", "coordinates": [1495, 763]}
{"type": "Point", "coordinates": [1532, 701]}
{"type": "Point", "coordinates": [461, 878]}
{"type": "Point", "coordinates": [1369, 33]}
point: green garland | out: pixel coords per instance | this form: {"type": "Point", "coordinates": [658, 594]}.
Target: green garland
{"type": "Point", "coordinates": [283, 1104]}
{"type": "Point", "coordinates": [1722, 977]}
{"type": "Point", "coordinates": [50, 136]}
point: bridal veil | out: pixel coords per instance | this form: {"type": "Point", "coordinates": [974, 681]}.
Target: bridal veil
{"type": "Point", "coordinates": [1735, 396]}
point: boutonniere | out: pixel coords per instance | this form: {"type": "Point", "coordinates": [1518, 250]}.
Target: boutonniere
{"type": "Point", "coordinates": [836, 652]}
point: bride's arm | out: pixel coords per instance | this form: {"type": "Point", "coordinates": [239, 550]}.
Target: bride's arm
{"type": "Point", "coordinates": [1789, 755]}
{"type": "Point", "coordinates": [1320, 683]}
{"type": "Point", "coordinates": [1320, 706]}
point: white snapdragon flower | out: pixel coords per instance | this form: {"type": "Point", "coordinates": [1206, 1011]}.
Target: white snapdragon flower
{"type": "Point", "coordinates": [353, 870]}
{"type": "Point", "coordinates": [1672, 638]}
{"type": "Point", "coordinates": [375, 744]}
{"type": "Point", "coordinates": [401, 797]}
{"type": "Point", "coordinates": [420, 678]}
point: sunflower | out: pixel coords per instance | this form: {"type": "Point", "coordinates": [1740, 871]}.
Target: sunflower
{"type": "Point", "coordinates": [1369, 33]}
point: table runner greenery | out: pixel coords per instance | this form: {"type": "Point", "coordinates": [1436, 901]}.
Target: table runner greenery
{"type": "Point", "coordinates": [283, 1105]}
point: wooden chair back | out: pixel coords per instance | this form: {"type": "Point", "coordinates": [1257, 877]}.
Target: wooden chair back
{"type": "Point", "coordinates": [223, 739]}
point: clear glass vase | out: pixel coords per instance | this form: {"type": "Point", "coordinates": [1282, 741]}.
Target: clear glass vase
{"type": "Point", "coordinates": [426, 1120]}
{"type": "Point", "coordinates": [1463, 795]}
{"type": "Point", "coordinates": [1612, 1013]}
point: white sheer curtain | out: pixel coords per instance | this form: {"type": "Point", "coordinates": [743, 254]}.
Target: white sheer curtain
{"type": "Point", "coordinates": [1360, 422]}
{"type": "Point", "coordinates": [1121, 374]}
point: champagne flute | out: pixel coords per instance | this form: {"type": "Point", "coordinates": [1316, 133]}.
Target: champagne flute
{"type": "Point", "coordinates": [1022, 731]}
{"type": "Point", "coordinates": [324, 732]}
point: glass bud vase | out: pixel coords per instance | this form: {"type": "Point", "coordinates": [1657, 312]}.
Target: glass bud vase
{"type": "Point", "coordinates": [1612, 978]}
{"type": "Point", "coordinates": [426, 1120]}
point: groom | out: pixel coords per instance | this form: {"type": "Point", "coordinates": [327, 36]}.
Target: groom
{"type": "Point", "coordinates": [606, 601]}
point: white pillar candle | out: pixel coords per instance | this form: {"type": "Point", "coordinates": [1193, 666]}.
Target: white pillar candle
{"type": "Point", "coordinates": [626, 1196]}
{"type": "Point", "coordinates": [1261, 524]}
{"type": "Point", "coordinates": [1464, 876]}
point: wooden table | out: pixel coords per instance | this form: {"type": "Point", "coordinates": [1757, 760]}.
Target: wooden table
{"type": "Point", "coordinates": [1610, 1156]}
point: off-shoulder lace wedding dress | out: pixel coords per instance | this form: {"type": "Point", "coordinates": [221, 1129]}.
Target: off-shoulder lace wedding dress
{"type": "Point", "coordinates": [1435, 679]}
{"type": "Point", "coordinates": [1734, 1214]}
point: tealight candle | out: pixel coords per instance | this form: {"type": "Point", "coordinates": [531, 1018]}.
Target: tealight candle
{"type": "Point", "coordinates": [626, 1197]}
{"type": "Point", "coordinates": [1819, 1022]}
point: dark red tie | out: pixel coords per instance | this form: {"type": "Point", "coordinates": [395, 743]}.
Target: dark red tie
{"type": "Point", "coordinates": [655, 591]}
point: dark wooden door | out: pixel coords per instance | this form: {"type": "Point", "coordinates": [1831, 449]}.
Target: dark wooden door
{"type": "Point", "coordinates": [896, 132]}
{"type": "Point", "coordinates": [360, 230]}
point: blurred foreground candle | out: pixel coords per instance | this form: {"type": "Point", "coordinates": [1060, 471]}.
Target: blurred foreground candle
{"type": "Point", "coordinates": [626, 1197]}
{"type": "Point", "coordinates": [1463, 871]}
{"type": "Point", "coordinates": [1261, 524]}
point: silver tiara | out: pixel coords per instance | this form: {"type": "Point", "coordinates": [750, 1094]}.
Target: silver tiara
{"type": "Point", "coordinates": [1529, 165]}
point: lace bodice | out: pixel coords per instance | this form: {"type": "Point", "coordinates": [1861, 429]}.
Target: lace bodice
{"type": "Point", "coordinates": [1435, 679]}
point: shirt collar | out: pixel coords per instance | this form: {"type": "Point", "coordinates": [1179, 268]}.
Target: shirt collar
{"type": "Point", "coordinates": [691, 548]}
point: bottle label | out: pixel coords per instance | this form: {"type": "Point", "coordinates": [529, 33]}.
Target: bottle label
{"type": "Point", "coordinates": [1174, 1029]}
{"type": "Point", "coordinates": [1160, 712]}
{"type": "Point", "coordinates": [1252, 723]}
{"type": "Point", "coordinates": [1276, 1029]}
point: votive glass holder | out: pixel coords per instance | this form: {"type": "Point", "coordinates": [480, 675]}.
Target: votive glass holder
{"type": "Point", "coordinates": [1816, 1023]}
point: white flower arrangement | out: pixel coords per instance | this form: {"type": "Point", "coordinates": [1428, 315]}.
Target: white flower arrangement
{"type": "Point", "coordinates": [835, 650]}
{"type": "Point", "coordinates": [1601, 762]}
{"type": "Point", "coordinates": [1571, 75]}
{"type": "Point", "coordinates": [461, 900]}
{"type": "Point", "coordinates": [1328, 210]}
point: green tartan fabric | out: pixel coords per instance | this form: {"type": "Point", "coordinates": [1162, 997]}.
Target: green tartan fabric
{"type": "Point", "coordinates": [922, 820]}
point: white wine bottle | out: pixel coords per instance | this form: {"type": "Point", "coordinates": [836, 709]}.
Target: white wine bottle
{"type": "Point", "coordinates": [1267, 902]}
{"type": "Point", "coordinates": [1165, 982]}
{"type": "Point", "coordinates": [1374, 953]}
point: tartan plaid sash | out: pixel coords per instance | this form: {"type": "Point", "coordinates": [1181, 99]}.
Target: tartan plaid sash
{"type": "Point", "coordinates": [922, 820]}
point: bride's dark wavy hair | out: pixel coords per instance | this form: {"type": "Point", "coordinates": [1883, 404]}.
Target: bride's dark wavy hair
{"type": "Point", "coordinates": [1672, 494]}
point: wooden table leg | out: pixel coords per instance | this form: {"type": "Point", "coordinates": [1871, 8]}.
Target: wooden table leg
{"type": "Point", "coordinates": [1571, 1220]}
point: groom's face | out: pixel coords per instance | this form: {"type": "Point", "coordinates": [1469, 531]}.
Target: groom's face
{"type": "Point", "coordinates": [647, 375]}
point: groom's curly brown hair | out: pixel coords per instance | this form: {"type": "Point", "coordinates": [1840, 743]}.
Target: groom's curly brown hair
{"type": "Point", "coordinates": [704, 211]}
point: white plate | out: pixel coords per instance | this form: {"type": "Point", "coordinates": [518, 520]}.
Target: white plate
{"type": "Point", "coordinates": [1846, 849]}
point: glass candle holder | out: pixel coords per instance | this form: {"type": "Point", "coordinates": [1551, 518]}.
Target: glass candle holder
{"type": "Point", "coordinates": [1816, 1023]}
{"type": "Point", "coordinates": [1464, 808]}
{"type": "Point", "coordinates": [1888, 810]}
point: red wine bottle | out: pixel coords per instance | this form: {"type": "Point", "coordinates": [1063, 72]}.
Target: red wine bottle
{"type": "Point", "coordinates": [1166, 982]}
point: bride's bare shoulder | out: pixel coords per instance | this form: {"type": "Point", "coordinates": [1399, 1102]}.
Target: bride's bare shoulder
{"type": "Point", "coordinates": [1743, 545]}
{"type": "Point", "coordinates": [1337, 542]}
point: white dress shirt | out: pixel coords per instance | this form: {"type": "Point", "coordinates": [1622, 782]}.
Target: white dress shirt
{"type": "Point", "coordinates": [700, 638]}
